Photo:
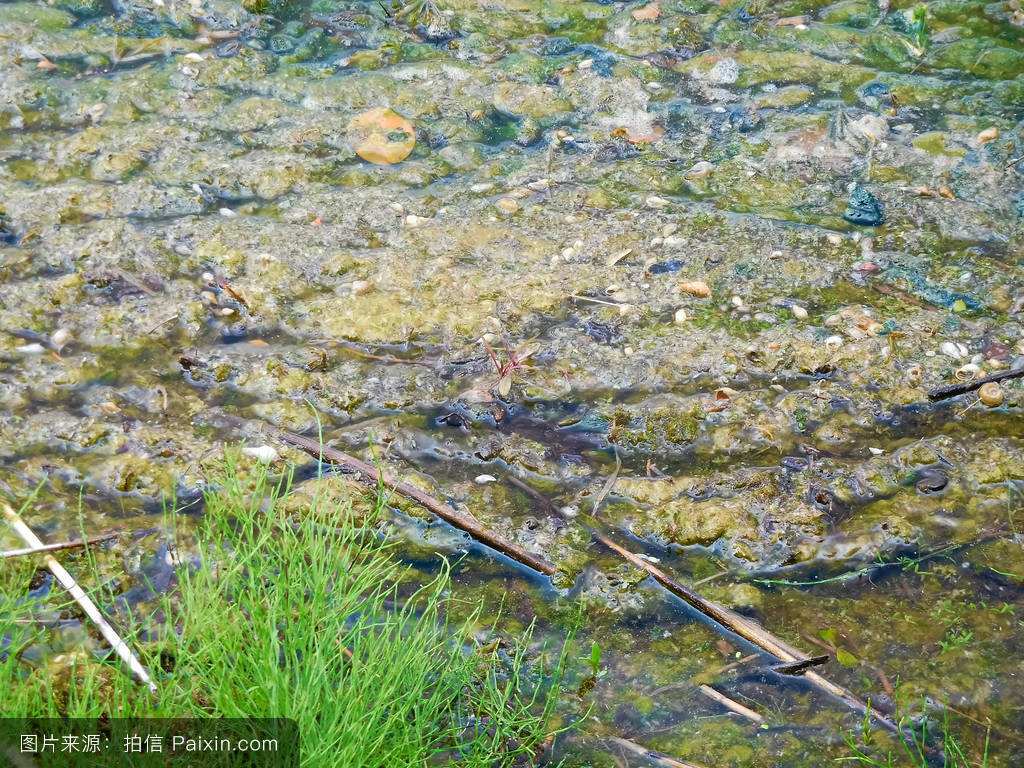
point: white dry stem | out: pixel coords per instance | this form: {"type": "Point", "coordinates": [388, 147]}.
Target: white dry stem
{"type": "Point", "coordinates": [68, 582]}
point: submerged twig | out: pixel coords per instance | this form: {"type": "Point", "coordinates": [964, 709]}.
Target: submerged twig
{"type": "Point", "coordinates": [59, 545]}
{"type": "Point", "coordinates": [374, 476]}
{"type": "Point", "coordinates": [730, 620]}
{"type": "Point", "coordinates": [797, 668]}
{"type": "Point", "coordinates": [953, 390]}
{"type": "Point", "coordinates": [649, 754]}
{"type": "Point", "coordinates": [731, 705]}
{"type": "Point", "coordinates": [68, 582]}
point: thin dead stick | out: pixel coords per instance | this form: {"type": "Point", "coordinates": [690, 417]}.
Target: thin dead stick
{"type": "Point", "coordinates": [68, 582]}
{"type": "Point", "coordinates": [797, 668]}
{"type": "Point", "coordinates": [649, 754]}
{"type": "Point", "coordinates": [748, 630]}
{"type": "Point", "coordinates": [733, 706]}
{"type": "Point", "coordinates": [944, 393]}
{"type": "Point", "coordinates": [60, 545]}
{"type": "Point", "coordinates": [372, 476]}
{"type": "Point", "coordinates": [609, 483]}
{"type": "Point", "coordinates": [734, 622]}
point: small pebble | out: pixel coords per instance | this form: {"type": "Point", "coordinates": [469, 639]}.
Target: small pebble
{"type": "Point", "coordinates": [360, 287]}
{"type": "Point", "coordinates": [485, 479]}
{"type": "Point", "coordinates": [656, 202]}
{"type": "Point", "coordinates": [30, 349]}
{"type": "Point", "coordinates": [227, 213]}
{"type": "Point", "coordinates": [989, 134]}
{"type": "Point", "coordinates": [412, 220]}
{"type": "Point", "coordinates": [834, 342]}
{"type": "Point", "coordinates": [955, 351]}
{"type": "Point", "coordinates": [680, 316]}
{"type": "Point", "coordinates": [798, 312]}
{"type": "Point", "coordinates": [507, 205]}
{"type": "Point", "coordinates": [60, 338]}
{"type": "Point", "coordinates": [876, 451]}
{"type": "Point", "coordinates": [696, 288]}
{"type": "Point", "coordinates": [262, 453]}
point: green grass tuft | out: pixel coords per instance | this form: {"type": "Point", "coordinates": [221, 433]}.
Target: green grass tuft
{"type": "Point", "coordinates": [297, 617]}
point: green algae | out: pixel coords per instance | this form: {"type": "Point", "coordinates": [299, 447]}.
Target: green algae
{"type": "Point", "coordinates": [529, 187]}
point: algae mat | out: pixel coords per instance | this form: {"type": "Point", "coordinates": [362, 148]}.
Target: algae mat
{"type": "Point", "coordinates": [734, 243]}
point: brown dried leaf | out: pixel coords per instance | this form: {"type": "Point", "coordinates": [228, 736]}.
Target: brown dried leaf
{"type": "Point", "coordinates": [505, 385]}
{"type": "Point", "coordinates": [381, 136]}
{"type": "Point", "coordinates": [650, 12]}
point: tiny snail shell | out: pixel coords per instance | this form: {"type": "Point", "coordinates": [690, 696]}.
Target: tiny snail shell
{"type": "Point", "coordinates": [967, 372]}
{"type": "Point", "coordinates": [991, 394]}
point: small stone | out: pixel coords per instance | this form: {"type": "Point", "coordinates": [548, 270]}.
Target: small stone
{"type": "Point", "coordinates": [697, 288]}
{"type": "Point", "coordinates": [737, 302]}
{"type": "Point", "coordinates": [30, 349]}
{"type": "Point", "coordinates": [680, 316]}
{"type": "Point", "coordinates": [60, 338]}
{"type": "Point", "coordinates": [700, 170]}
{"type": "Point", "coordinates": [991, 394]}
{"type": "Point", "coordinates": [863, 208]}
{"type": "Point", "coordinates": [412, 220]}
{"type": "Point", "coordinates": [360, 287]}
{"type": "Point", "coordinates": [876, 451]}
{"type": "Point", "coordinates": [955, 351]}
{"type": "Point", "coordinates": [507, 205]}
{"type": "Point", "coordinates": [485, 479]}
{"type": "Point", "coordinates": [656, 202]}
{"type": "Point", "coordinates": [227, 213]}
{"type": "Point", "coordinates": [265, 454]}
{"type": "Point", "coordinates": [834, 342]}
{"type": "Point", "coordinates": [989, 134]}
{"type": "Point", "coordinates": [834, 239]}
{"type": "Point", "coordinates": [209, 297]}
{"type": "Point", "coordinates": [725, 72]}
{"type": "Point", "coordinates": [798, 312]}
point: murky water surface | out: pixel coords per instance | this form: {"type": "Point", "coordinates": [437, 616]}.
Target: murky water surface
{"type": "Point", "coordinates": [734, 243]}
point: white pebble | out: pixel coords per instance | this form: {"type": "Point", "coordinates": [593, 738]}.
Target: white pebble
{"type": "Point", "coordinates": [262, 453]}
{"type": "Point", "coordinates": [955, 351]}
{"type": "Point", "coordinates": [798, 312]}
{"type": "Point", "coordinates": [30, 349]}
{"type": "Point", "coordinates": [227, 213]}
{"type": "Point", "coordinates": [834, 342]}
{"type": "Point", "coordinates": [485, 479]}
{"type": "Point", "coordinates": [680, 316]}
{"type": "Point", "coordinates": [60, 338]}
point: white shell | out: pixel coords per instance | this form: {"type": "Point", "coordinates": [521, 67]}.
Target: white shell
{"type": "Point", "coordinates": [967, 372]}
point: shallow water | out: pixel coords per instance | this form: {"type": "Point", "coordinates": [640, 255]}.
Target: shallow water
{"type": "Point", "coordinates": [180, 193]}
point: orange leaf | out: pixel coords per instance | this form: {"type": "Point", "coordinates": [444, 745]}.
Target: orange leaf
{"type": "Point", "coordinates": [381, 136]}
{"type": "Point", "coordinates": [650, 12]}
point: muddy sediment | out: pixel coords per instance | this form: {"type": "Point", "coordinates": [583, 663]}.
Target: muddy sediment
{"type": "Point", "coordinates": [734, 244]}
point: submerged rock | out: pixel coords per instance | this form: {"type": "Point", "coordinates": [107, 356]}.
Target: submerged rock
{"type": "Point", "coordinates": [863, 208]}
